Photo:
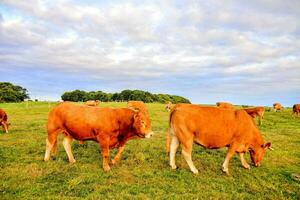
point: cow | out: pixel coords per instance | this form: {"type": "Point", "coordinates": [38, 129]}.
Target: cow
{"type": "Point", "coordinates": [169, 106]}
{"type": "Point", "coordinates": [215, 128]}
{"type": "Point", "coordinates": [4, 121]}
{"type": "Point", "coordinates": [296, 109]}
{"type": "Point", "coordinates": [277, 107]}
{"type": "Point", "coordinates": [109, 127]}
{"type": "Point", "coordinates": [225, 105]}
{"type": "Point", "coordinates": [92, 102]}
{"type": "Point", "coordinates": [137, 105]}
{"type": "Point", "coordinates": [256, 112]}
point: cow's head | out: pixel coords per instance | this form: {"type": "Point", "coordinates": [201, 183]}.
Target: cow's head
{"type": "Point", "coordinates": [258, 153]}
{"type": "Point", "coordinates": [142, 124]}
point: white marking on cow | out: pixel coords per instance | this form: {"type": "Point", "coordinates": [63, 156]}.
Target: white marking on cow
{"type": "Point", "coordinates": [67, 145]}
{"type": "Point", "coordinates": [173, 148]}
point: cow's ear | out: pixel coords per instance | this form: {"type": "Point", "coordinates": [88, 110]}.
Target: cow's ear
{"type": "Point", "coordinates": [267, 145]}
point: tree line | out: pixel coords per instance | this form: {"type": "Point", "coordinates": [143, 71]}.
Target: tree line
{"type": "Point", "coordinates": [125, 95]}
{"type": "Point", "coordinates": [12, 93]}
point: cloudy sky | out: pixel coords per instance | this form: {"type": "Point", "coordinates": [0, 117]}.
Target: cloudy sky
{"type": "Point", "coordinates": [208, 51]}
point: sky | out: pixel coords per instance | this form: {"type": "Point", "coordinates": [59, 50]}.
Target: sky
{"type": "Point", "coordinates": [243, 52]}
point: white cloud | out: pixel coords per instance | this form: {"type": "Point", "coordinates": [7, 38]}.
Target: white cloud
{"type": "Point", "coordinates": [150, 40]}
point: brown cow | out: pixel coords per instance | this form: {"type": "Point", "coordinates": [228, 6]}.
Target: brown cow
{"type": "Point", "coordinates": [256, 112]}
{"type": "Point", "coordinates": [110, 127]}
{"type": "Point", "coordinates": [296, 109]}
{"type": "Point", "coordinates": [92, 102]}
{"type": "Point", "coordinates": [139, 105]}
{"type": "Point", "coordinates": [215, 128]}
{"type": "Point", "coordinates": [3, 121]}
{"type": "Point", "coordinates": [225, 105]}
{"type": "Point", "coordinates": [277, 107]}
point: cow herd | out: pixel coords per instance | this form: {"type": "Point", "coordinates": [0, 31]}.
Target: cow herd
{"type": "Point", "coordinates": [210, 127]}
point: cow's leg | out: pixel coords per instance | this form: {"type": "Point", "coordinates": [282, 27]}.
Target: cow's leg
{"type": "Point", "coordinates": [118, 155]}
{"type": "Point", "coordinates": [104, 143]}
{"type": "Point", "coordinates": [244, 162]}
{"type": "Point", "coordinates": [67, 145]}
{"type": "Point", "coordinates": [173, 149]}
{"type": "Point", "coordinates": [187, 147]}
{"type": "Point", "coordinates": [51, 141]}
{"type": "Point", "coordinates": [230, 152]}
{"type": "Point", "coordinates": [5, 127]}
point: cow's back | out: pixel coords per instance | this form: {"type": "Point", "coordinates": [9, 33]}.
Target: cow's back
{"type": "Point", "coordinates": [3, 115]}
{"type": "Point", "coordinates": [82, 122]}
{"type": "Point", "coordinates": [212, 127]}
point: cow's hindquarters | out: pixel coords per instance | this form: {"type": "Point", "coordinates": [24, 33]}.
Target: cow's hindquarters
{"type": "Point", "coordinates": [180, 135]}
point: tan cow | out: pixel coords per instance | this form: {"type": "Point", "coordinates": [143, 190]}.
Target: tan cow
{"type": "Point", "coordinates": [169, 106]}
{"type": "Point", "coordinates": [4, 121]}
{"type": "Point", "coordinates": [92, 102]}
{"type": "Point", "coordinates": [225, 105]}
{"type": "Point", "coordinates": [277, 107]}
{"type": "Point", "coordinates": [256, 112]}
{"type": "Point", "coordinates": [296, 109]}
{"type": "Point", "coordinates": [109, 127]}
{"type": "Point", "coordinates": [214, 128]}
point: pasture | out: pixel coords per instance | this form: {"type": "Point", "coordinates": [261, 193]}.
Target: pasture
{"type": "Point", "coordinates": [143, 171]}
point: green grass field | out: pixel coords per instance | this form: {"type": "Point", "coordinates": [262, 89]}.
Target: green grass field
{"type": "Point", "coordinates": [143, 171]}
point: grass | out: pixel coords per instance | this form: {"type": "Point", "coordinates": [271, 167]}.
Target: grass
{"type": "Point", "coordinates": [143, 172]}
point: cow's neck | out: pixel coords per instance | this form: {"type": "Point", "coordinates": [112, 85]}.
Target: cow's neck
{"type": "Point", "coordinates": [257, 140]}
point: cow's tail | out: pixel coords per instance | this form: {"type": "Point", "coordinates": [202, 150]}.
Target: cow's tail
{"type": "Point", "coordinates": [170, 130]}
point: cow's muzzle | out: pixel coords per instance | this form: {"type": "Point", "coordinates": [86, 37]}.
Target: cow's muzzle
{"type": "Point", "coordinates": [149, 135]}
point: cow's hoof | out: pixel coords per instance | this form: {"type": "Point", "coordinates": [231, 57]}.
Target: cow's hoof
{"type": "Point", "coordinates": [114, 161]}
{"type": "Point", "coordinates": [225, 170]}
{"type": "Point", "coordinates": [173, 167]}
{"type": "Point", "coordinates": [72, 161]}
{"type": "Point", "coordinates": [106, 168]}
{"type": "Point", "coordinates": [246, 166]}
{"type": "Point", "coordinates": [195, 171]}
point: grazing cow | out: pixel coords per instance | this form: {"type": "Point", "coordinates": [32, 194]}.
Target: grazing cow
{"type": "Point", "coordinates": [139, 105]}
{"type": "Point", "coordinates": [256, 112]}
{"type": "Point", "coordinates": [3, 121]}
{"type": "Point", "coordinates": [92, 102]}
{"type": "Point", "coordinates": [110, 127]}
{"type": "Point", "coordinates": [225, 105]}
{"type": "Point", "coordinates": [296, 109]}
{"type": "Point", "coordinates": [169, 106]}
{"type": "Point", "coordinates": [215, 128]}
{"type": "Point", "coordinates": [277, 107]}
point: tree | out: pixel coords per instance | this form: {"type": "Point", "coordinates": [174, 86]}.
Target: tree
{"type": "Point", "coordinates": [76, 95]}
{"type": "Point", "coordinates": [12, 93]}
{"type": "Point", "coordinates": [125, 95]}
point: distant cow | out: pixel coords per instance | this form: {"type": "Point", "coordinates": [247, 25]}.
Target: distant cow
{"type": "Point", "coordinates": [92, 102]}
{"type": "Point", "coordinates": [296, 109]}
{"type": "Point", "coordinates": [277, 107]}
{"type": "Point", "coordinates": [109, 127]}
{"type": "Point", "coordinates": [169, 106]}
{"type": "Point", "coordinates": [137, 105]}
{"type": "Point", "coordinates": [225, 105]}
{"type": "Point", "coordinates": [256, 112]}
{"type": "Point", "coordinates": [215, 128]}
{"type": "Point", "coordinates": [4, 121]}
